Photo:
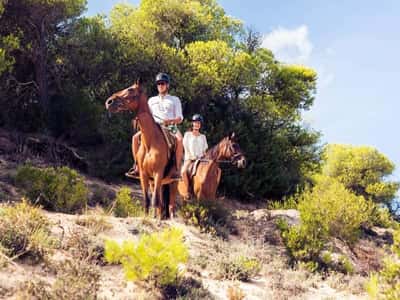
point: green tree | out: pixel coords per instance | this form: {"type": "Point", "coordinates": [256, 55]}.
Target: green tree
{"type": "Point", "coordinates": [363, 170]}
{"type": "Point", "coordinates": [7, 44]}
{"type": "Point", "coordinates": [37, 23]}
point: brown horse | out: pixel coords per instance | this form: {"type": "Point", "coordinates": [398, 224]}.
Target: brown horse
{"type": "Point", "coordinates": [208, 175]}
{"type": "Point", "coordinates": [152, 156]}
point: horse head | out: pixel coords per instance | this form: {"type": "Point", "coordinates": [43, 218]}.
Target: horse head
{"type": "Point", "coordinates": [126, 100]}
{"type": "Point", "coordinates": [231, 151]}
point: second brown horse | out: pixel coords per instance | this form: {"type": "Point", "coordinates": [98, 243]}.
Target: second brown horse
{"type": "Point", "coordinates": [152, 156]}
{"type": "Point", "coordinates": [205, 182]}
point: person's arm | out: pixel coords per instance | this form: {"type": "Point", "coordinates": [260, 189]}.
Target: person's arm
{"type": "Point", "coordinates": [205, 144]}
{"type": "Point", "coordinates": [185, 141]}
{"type": "Point", "coordinates": [178, 113]}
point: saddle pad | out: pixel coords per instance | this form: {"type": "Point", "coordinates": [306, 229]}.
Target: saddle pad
{"type": "Point", "coordinates": [170, 139]}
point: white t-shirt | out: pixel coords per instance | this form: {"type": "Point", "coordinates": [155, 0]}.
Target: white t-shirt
{"type": "Point", "coordinates": [195, 146]}
{"type": "Point", "coordinates": [165, 108]}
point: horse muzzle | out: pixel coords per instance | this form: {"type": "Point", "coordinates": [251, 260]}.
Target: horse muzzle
{"type": "Point", "coordinates": [241, 163]}
{"type": "Point", "coordinates": [109, 103]}
{"type": "Point", "coordinates": [113, 105]}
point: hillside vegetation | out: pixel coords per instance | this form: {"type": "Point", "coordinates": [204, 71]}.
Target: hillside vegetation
{"type": "Point", "coordinates": [302, 221]}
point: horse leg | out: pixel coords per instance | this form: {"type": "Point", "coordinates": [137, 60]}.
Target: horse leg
{"type": "Point", "coordinates": [144, 182]}
{"type": "Point", "coordinates": [157, 196]}
{"type": "Point", "coordinates": [165, 200]}
{"type": "Point", "coordinates": [215, 187]}
{"type": "Point", "coordinates": [173, 189]}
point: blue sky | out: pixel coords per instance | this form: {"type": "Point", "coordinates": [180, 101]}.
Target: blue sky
{"type": "Point", "coordinates": [355, 48]}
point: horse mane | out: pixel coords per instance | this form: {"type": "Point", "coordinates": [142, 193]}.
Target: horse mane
{"type": "Point", "coordinates": [144, 106]}
{"type": "Point", "coordinates": [213, 152]}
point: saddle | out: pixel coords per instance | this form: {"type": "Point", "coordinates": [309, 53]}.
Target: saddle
{"type": "Point", "coordinates": [171, 144]}
{"type": "Point", "coordinates": [170, 139]}
{"type": "Point", "coordinates": [192, 168]}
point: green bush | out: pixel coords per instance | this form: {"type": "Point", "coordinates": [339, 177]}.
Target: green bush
{"type": "Point", "coordinates": [208, 216]}
{"type": "Point", "coordinates": [380, 216]}
{"type": "Point", "coordinates": [239, 268]}
{"type": "Point", "coordinates": [289, 203]}
{"type": "Point", "coordinates": [25, 231]}
{"type": "Point", "coordinates": [57, 189]}
{"type": "Point", "coordinates": [125, 206]}
{"type": "Point", "coordinates": [327, 210]}
{"type": "Point", "coordinates": [386, 283]}
{"type": "Point", "coordinates": [155, 257]}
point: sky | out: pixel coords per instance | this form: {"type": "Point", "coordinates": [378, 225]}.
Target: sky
{"type": "Point", "coordinates": [355, 48]}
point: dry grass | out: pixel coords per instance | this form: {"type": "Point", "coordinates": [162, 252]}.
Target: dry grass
{"type": "Point", "coordinates": [96, 224]}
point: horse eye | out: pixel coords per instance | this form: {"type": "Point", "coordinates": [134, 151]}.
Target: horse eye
{"type": "Point", "coordinates": [131, 89]}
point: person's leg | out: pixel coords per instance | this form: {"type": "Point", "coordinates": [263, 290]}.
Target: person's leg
{"type": "Point", "coordinates": [135, 144]}
{"type": "Point", "coordinates": [179, 151]}
{"type": "Point", "coordinates": [185, 178]}
{"type": "Point", "coordinates": [134, 171]}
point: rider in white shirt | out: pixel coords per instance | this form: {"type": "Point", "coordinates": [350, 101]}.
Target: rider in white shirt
{"type": "Point", "coordinates": [195, 145]}
{"type": "Point", "coordinates": [167, 111]}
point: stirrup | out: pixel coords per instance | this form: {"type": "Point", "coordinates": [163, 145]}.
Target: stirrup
{"type": "Point", "coordinates": [132, 172]}
{"type": "Point", "coordinates": [176, 175]}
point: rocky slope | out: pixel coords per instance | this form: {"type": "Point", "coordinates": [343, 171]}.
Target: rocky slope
{"type": "Point", "coordinates": [253, 233]}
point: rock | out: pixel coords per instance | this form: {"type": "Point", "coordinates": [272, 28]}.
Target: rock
{"type": "Point", "coordinates": [6, 145]}
{"type": "Point", "coordinates": [292, 216]}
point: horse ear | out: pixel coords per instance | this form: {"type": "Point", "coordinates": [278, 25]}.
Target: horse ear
{"type": "Point", "coordinates": [232, 135]}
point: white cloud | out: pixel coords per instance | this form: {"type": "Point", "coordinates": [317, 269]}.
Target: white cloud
{"type": "Point", "coordinates": [289, 45]}
{"type": "Point", "coordinates": [294, 46]}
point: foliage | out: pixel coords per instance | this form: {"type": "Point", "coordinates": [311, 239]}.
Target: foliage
{"type": "Point", "coordinates": [235, 293]}
{"type": "Point", "coordinates": [25, 231]}
{"type": "Point", "coordinates": [75, 279]}
{"type": "Point", "coordinates": [57, 189]}
{"type": "Point", "coordinates": [285, 203]}
{"type": "Point", "coordinates": [155, 257]}
{"type": "Point", "coordinates": [239, 268]}
{"type": "Point", "coordinates": [84, 247]}
{"type": "Point", "coordinates": [95, 224]}
{"type": "Point", "coordinates": [386, 283]}
{"type": "Point", "coordinates": [363, 170]}
{"type": "Point", "coordinates": [327, 210]}
{"type": "Point", "coordinates": [381, 216]}
{"type": "Point", "coordinates": [7, 44]}
{"type": "Point", "coordinates": [209, 216]}
{"type": "Point", "coordinates": [186, 288]}
{"type": "Point", "coordinates": [125, 206]}
{"type": "Point", "coordinates": [65, 72]}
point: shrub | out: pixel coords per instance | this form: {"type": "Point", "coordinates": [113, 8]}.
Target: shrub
{"type": "Point", "coordinates": [386, 283]}
{"type": "Point", "coordinates": [208, 216]}
{"type": "Point", "coordinates": [186, 288]}
{"type": "Point", "coordinates": [95, 224]}
{"type": "Point", "coordinates": [380, 216]}
{"type": "Point", "coordinates": [239, 268]}
{"type": "Point", "coordinates": [289, 203]}
{"type": "Point", "coordinates": [25, 231]}
{"type": "Point", "coordinates": [85, 247]}
{"type": "Point", "coordinates": [76, 279]}
{"type": "Point", "coordinates": [125, 206]}
{"type": "Point", "coordinates": [327, 210]}
{"type": "Point", "coordinates": [57, 189]}
{"type": "Point", "coordinates": [156, 257]}
{"type": "Point", "coordinates": [235, 293]}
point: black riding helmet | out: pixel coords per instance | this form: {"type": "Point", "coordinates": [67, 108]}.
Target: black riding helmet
{"type": "Point", "coordinates": [162, 77]}
{"type": "Point", "coordinates": [198, 118]}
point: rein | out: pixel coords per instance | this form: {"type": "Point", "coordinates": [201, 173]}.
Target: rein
{"type": "Point", "coordinates": [217, 161]}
